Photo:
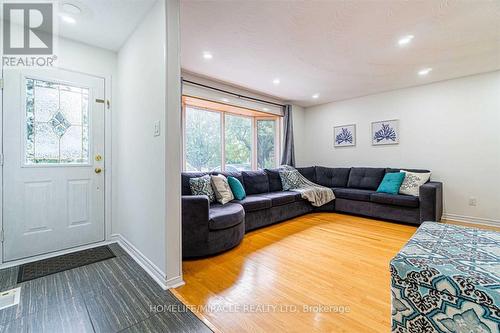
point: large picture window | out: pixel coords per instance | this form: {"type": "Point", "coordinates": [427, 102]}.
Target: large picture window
{"type": "Point", "coordinates": [219, 137]}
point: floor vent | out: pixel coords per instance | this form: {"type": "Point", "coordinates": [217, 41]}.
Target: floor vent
{"type": "Point", "coordinates": [10, 298]}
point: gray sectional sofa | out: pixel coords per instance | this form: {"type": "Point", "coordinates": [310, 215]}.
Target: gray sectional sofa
{"type": "Point", "coordinates": [208, 229]}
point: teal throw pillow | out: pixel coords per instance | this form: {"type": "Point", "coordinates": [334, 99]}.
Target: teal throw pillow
{"type": "Point", "coordinates": [236, 188]}
{"type": "Point", "coordinates": [391, 183]}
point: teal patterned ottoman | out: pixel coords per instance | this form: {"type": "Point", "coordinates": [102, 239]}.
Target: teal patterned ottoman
{"type": "Point", "coordinates": [447, 279]}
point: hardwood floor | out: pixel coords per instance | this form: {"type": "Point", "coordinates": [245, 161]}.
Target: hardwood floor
{"type": "Point", "coordinates": [268, 281]}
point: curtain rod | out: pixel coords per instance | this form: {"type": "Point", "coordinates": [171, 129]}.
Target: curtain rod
{"type": "Point", "coordinates": [232, 93]}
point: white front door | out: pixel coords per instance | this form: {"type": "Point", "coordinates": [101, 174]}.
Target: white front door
{"type": "Point", "coordinates": [53, 144]}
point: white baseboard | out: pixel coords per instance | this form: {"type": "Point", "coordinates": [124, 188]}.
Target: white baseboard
{"type": "Point", "coordinates": [472, 220]}
{"type": "Point", "coordinates": [157, 274]}
{"type": "Point", "coordinates": [175, 282]}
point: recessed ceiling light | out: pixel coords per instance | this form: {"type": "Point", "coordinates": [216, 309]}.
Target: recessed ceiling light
{"type": "Point", "coordinates": [276, 81]}
{"type": "Point", "coordinates": [405, 40]}
{"type": "Point", "coordinates": [68, 19]}
{"type": "Point", "coordinates": [265, 109]}
{"type": "Point", "coordinates": [71, 9]}
{"type": "Point", "coordinates": [315, 96]}
{"type": "Point", "coordinates": [225, 100]}
{"type": "Point", "coordinates": [207, 55]}
{"type": "Point", "coordinates": [424, 71]}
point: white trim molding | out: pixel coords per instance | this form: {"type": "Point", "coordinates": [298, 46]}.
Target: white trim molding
{"type": "Point", "coordinates": [472, 220]}
{"type": "Point", "coordinates": [157, 274]}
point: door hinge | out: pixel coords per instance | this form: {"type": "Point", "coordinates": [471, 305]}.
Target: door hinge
{"type": "Point", "coordinates": [1, 159]}
{"type": "Point", "coordinates": [1, 236]}
{"type": "Point", "coordinates": [1, 83]}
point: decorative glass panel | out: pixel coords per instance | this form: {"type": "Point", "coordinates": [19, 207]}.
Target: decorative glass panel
{"type": "Point", "coordinates": [238, 143]}
{"type": "Point", "coordinates": [266, 148]}
{"type": "Point", "coordinates": [57, 123]}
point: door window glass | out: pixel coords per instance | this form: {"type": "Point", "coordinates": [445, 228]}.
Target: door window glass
{"type": "Point", "coordinates": [57, 123]}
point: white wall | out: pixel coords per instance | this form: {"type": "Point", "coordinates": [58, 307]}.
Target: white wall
{"type": "Point", "coordinates": [173, 148]}
{"type": "Point", "coordinates": [451, 128]}
{"type": "Point", "coordinates": [139, 157]}
{"type": "Point", "coordinates": [85, 58]}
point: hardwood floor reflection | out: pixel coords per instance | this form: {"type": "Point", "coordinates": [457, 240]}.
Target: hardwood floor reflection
{"type": "Point", "coordinates": [270, 280]}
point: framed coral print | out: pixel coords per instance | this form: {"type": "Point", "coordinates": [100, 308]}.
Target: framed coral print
{"type": "Point", "coordinates": [344, 136]}
{"type": "Point", "coordinates": [385, 132]}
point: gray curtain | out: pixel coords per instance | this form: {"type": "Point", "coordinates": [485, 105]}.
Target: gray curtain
{"type": "Point", "coordinates": [288, 156]}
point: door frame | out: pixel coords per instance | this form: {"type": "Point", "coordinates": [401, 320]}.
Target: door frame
{"type": "Point", "coordinates": [108, 109]}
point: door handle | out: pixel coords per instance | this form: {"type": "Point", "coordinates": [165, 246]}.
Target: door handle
{"type": "Point", "coordinates": [98, 170]}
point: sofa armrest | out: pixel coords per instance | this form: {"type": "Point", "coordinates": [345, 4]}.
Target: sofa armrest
{"type": "Point", "coordinates": [195, 212]}
{"type": "Point", "coordinates": [431, 201]}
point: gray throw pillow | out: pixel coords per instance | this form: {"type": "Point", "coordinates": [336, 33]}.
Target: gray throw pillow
{"type": "Point", "coordinates": [202, 186]}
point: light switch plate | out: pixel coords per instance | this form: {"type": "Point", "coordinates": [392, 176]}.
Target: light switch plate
{"type": "Point", "coordinates": [157, 128]}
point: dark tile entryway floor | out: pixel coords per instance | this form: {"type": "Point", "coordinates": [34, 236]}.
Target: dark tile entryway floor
{"type": "Point", "coordinates": [114, 295]}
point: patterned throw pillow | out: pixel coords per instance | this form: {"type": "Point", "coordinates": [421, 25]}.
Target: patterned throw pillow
{"type": "Point", "coordinates": [412, 182]}
{"type": "Point", "coordinates": [202, 186]}
{"type": "Point", "coordinates": [290, 179]}
{"type": "Point", "coordinates": [222, 190]}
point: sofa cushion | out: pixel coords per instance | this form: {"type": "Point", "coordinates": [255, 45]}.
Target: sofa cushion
{"type": "Point", "coordinates": [413, 181]}
{"type": "Point", "coordinates": [353, 194]}
{"type": "Point", "coordinates": [202, 186]}
{"type": "Point", "coordinates": [274, 178]}
{"type": "Point", "coordinates": [392, 170]}
{"type": "Point", "coordinates": [395, 199]}
{"type": "Point", "coordinates": [225, 216]}
{"type": "Point", "coordinates": [254, 202]}
{"type": "Point", "coordinates": [332, 177]}
{"type": "Point", "coordinates": [391, 182]}
{"type": "Point", "coordinates": [223, 192]}
{"type": "Point", "coordinates": [291, 179]}
{"type": "Point", "coordinates": [365, 178]}
{"type": "Point", "coordinates": [237, 188]}
{"type": "Point", "coordinates": [185, 177]}
{"type": "Point", "coordinates": [309, 173]}
{"type": "Point", "coordinates": [255, 182]}
{"type": "Point", "coordinates": [281, 198]}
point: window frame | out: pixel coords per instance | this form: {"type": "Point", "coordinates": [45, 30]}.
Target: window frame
{"type": "Point", "coordinates": [234, 111]}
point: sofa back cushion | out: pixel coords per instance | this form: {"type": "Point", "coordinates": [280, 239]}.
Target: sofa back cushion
{"type": "Point", "coordinates": [332, 177]}
{"type": "Point", "coordinates": [365, 178]}
{"type": "Point", "coordinates": [273, 176]}
{"type": "Point", "coordinates": [309, 173]}
{"type": "Point", "coordinates": [392, 170]}
{"type": "Point", "coordinates": [255, 182]}
{"type": "Point", "coordinates": [185, 176]}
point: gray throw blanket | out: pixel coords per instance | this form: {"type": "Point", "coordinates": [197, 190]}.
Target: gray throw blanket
{"type": "Point", "coordinates": [293, 180]}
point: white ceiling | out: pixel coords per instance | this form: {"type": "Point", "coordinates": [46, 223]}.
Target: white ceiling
{"type": "Point", "coordinates": [339, 49]}
{"type": "Point", "coordinates": [104, 23]}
